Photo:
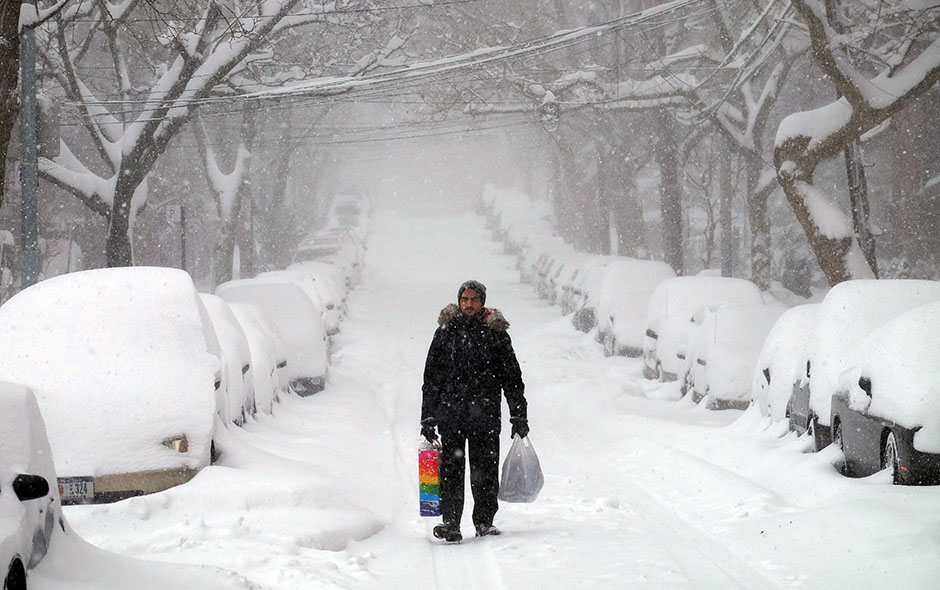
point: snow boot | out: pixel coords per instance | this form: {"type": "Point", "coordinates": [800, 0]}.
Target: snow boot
{"type": "Point", "coordinates": [485, 530]}
{"type": "Point", "coordinates": [448, 531]}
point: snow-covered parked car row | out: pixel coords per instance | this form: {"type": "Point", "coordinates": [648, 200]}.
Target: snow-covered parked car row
{"type": "Point", "coordinates": [135, 371]}
{"type": "Point", "coordinates": [125, 367]}
{"type": "Point", "coordinates": [687, 329]}
{"type": "Point", "coordinates": [858, 368]}
{"type": "Point", "coordinates": [703, 331]}
{"type": "Point", "coordinates": [604, 294]}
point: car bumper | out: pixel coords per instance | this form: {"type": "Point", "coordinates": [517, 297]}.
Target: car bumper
{"type": "Point", "coordinates": [305, 386]}
{"type": "Point", "coordinates": [119, 486]}
{"type": "Point", "coordinates": [916, 467]}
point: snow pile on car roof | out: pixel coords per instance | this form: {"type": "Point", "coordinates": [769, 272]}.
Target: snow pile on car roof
{"type": "Point", "coordinates": [900, 359]}
{"type": "Point", "coordinates": [849, 312]}
{"type": "Point", "coordinates": [118, 360]}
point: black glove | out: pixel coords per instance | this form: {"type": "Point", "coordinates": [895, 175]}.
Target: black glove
{"type": "Point", "coordinates": [427, 430]}
{"type": "Point", "coordinates": [520, 426]}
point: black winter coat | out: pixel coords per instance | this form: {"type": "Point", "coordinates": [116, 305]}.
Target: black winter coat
{"type": "Point", "coordinates": [470, 362]}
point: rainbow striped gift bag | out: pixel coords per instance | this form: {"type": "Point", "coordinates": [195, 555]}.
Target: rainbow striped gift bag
{"type": "Point", "coordinates": [429, 495]}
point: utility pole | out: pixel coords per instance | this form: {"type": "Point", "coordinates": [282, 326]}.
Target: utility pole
{"type": "Point", "coordinates": [29, 170]}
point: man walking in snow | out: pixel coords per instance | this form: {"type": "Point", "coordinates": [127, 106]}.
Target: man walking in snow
{"type": "Point", "coordinates": [470, 362]}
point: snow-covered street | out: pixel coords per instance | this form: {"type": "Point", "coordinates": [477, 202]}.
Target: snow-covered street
{"type": "Point", "coordinates": [642, 489]}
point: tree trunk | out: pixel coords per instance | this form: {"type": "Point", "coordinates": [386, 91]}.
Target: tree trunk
{"type": "Point", "coordinates": [224, 255]}
{"type": "Point", "coordinates": [858, 195]}
{"type": "Point", "coordinates": [670, 192]}
{"type": "Point", "coordinates": [246, 237]}
{"type": "Point", "coordinates": [761, 245]}
{"type": "Point", "coordinates": [9, 75]}
{"type": "Point", "coordinates": [626, 212]}
{"type": "Point", "coordinates": [725, 198]}
{"type": "Point", "coordinates": [118, 250]}
{"type": "Point", "coordinates": [568, 211]}
{"type": "Point", "coordinates": [272, 233]}
{"type": "Point", "coordinates": [830, 252]}
{"type": "Point", "coordinates": [604, 209]}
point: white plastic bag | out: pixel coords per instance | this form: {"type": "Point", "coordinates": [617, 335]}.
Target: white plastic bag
{"type": "Point", "coordinates": [522, 475]}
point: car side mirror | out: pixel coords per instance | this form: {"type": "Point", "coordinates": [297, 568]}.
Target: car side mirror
{"type": "Point", "coordinates": [30, 487]}
{"type": "Point", "coordinates": [865, 384]}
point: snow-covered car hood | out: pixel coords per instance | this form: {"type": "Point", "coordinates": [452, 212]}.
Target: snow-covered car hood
{"type": "Point", "coordinates": [119, 362]}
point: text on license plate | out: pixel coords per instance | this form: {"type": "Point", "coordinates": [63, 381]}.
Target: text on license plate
{"type": "Point", "coordinates": [76, 488]}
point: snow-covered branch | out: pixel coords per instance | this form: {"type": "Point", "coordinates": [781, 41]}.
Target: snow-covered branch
{"type": "Point", "coordinates": [67, 172]}
{"type": "Point", "coordinates": [813, 136]}
{"type": "Point", "coordinates": [33, 16]}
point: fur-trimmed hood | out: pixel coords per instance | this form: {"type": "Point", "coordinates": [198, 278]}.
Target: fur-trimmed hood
{"type": "Point", "coordinates": [492, 318]}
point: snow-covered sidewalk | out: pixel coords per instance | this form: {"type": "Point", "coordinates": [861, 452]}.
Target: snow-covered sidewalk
{"type": "Point", "coordinates": [641, 491]}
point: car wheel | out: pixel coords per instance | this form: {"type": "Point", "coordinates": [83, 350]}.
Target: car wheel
{"type": "Point", "coordinates": [16, 577]}
{"type": "Point", "coordinates": [889, 458]}
{"type": "Point", "coordinates": [837, 441]}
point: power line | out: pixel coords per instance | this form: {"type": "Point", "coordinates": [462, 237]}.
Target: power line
{"type": "Point", "coordinates": [399, 83]}
{"type": "Point", "coordinates": [168, 19]}
{"type": "Point", "coordinates": [326, 89]}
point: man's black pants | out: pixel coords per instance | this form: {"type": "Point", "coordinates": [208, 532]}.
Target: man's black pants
{"type": "Point", "coordinates": [483, 451]}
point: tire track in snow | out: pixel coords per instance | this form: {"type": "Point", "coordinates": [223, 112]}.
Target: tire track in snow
{"type": "Point", "coordinates": [470, 565]}
{"type": "Point", "coordinates": [708, 563]}
{"type": "Point", "coordinates": [396, 349]}
{"type": "Point", "coordinates": [701, 557]}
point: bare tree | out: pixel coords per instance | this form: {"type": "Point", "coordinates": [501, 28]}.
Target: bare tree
{"type": "Point", "coordinates": [229, 189]}
{"type": "Point", "coordinates": [209, 48]}
{"type": "Point", "coordinates": [902, 45]}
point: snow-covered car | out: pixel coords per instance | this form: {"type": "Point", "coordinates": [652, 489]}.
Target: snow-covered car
{"type": "Point", "coordinates": [621, 306]}
{"type": "Point", "coordinates": [724, 353]}
{"type": "Point", "coordinates": [560, 281]}
{"type": "Point", "coordinates": [535, 257]}
{"type": "Point", "coordinates": [336, 246]}
{"type": "Point", "coordinates": [298, 323]}
{"type": "Point", "coordinates": [330, 283]}
{"type": "Point", "coordinates": [350, 212]}
{"type": "Point", "coordinates": [518, 222]}
{"type": "Point", "coordinates": [886, 412]}
{"type": "Point", "coordinates": [670, 322]}
{"type": "Point", "coordinates": [525, 226]}
{"type": "Point", "coordinates": [549, 270]}
{"type": "Point", "coordinates": [321, 292]}
{"type": "Point", "coordinates": [847, 314]}
{"type": "Point", "coordinates": [584, 291]}
{"type": "Point", "coordinates": [268, 355]}
{"type": "Point", "coordinates": [29, 507]}
{"type": "Point", "coordinates": [125, 375]}
{"type": "Point", "coordinates": [235, 395]}
{"type": "Point", "coordinates": [574, 287]}
{"type": "Point", "coordinates": [780, 359]}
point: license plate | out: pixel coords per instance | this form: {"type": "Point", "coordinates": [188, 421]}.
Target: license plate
{"type": "Point", "coordinates": [76, 489]}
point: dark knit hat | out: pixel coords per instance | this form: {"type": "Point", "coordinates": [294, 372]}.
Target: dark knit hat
{"type": "Point", "coordinates": [476, 286]}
